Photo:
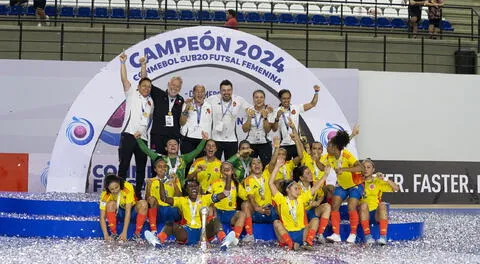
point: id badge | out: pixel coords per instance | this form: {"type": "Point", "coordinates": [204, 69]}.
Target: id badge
{"type": "Point", "coordinates": [219, 126]}
{"type": "Point", "coordinates": [258, 136]}
{"type": "Point", "coordinates": [168, 121]}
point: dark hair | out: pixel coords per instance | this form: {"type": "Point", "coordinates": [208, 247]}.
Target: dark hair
{"type": "Point", "coordinates": [258, 91]}
{"type": "Point", "coordinates": [369, 160]}
{"type": "Point", "coordinates": [341, 139]}
{"type": "Point", "coordinates": [243, 142]}
{"type": "Point", "coordinates": [281, 92]}
{"type": "Point", "coordinates": [172, 138]}
{"type": "Point", "coordinates": [226, 82]}
{"type": "Point", "coordinates": [298, 172]}
{"type": "Point", "coordinates": [184, 189]}
{"type": "Point", "coordinates": [109, 178]}
{"type": "Point", "coordinates": [157, 160]}
{"type": "Point", "coordinates": [208, 140]}
{"type": "Point", "coordinates": [284, 186]}
{"type": "Point", "coordinates": [144, 79]}
{"type": "Point", "coordinates": [232, 12]}
{"type": "Point", "coordinates": [317, 142]}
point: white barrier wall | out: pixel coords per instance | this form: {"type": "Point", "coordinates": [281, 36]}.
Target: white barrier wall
{"type": "Point", "coordinates": [419, 116]}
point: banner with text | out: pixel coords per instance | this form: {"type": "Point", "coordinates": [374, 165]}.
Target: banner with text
{"type": "Point", "coordinates": [180, 52]}
{"type": "Point", "coordinates": [432, 182]}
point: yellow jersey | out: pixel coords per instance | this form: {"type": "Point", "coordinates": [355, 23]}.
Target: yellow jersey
{"type": "Point", "coordinates": [169, 189]}
{"type": "Point", "coordinates": [209, 175]}
{"type": "Point", "coordinates": [258, 188]}
{"type": "Point", "coordinates": [374, 189]}
{"type": "Point", "coordinates": [319, 194]}
{"type": "Point", "coordinates": [228, 203]}
{"type": "Point", "coordinates": [191, 210]}
{"type": "Point", "coordinates": [308, 161]}
{"type": "Point", "coordinates": [346, 160]}
{"type": "Point", "coordinates": [127, 196]}
{"type": "Point", "coordinates": [285, 172]}
{"type": "Point", "coordinates": [292, 212]}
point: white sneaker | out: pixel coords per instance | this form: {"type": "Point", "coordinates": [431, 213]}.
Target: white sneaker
{"type": "Point", "coordinates": [228, 241]}
{"type": "Point", "coordinates": [47, 20]}
{"type": "Point", "coordinates": [382, 241]}
{"type": "Point", "coordinates": [351, 238]}
{"type": "Point", "coordinates": [248, 239]}
{"type": "Point", "coordinates": [369, 239]}
{"type": "Point", "coordinates": [334, 238]}
{"type": "Point", "coordinates": [151, 238]}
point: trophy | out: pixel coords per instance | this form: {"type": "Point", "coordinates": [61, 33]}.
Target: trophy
{"type": "Point", "coordinates": [203, 234]}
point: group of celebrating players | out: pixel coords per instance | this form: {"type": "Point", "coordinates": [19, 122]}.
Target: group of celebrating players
{"type": "Point", "coordinates": [284, 180]}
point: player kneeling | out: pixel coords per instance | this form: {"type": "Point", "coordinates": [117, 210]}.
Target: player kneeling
{"type": "Point", "coordinates": [157, 208]}
{"type": "Point", "coordinates": [314, 207]}
{"type": "Point", "coordinates": [291, 230]}
{"type": "Point", "coordinates": [190, 206]}
{"type": "Point", "coordinates": [372, 210]}
{"type": "Point", "coordinates": [226, 208]}
{"type": "Point", "coordinates": [116, 202]}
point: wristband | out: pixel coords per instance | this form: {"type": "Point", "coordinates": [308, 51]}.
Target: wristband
{"type": "Point", "coordinates": [316, 92]}
{"type": "Point", "coordinates": [122, 62]}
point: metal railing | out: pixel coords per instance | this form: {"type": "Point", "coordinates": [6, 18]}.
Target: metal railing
{"type": "Point", "coordinates": [344, 39]}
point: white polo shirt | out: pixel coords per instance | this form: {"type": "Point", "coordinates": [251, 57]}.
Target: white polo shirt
{"type": "Point", "coordinates": [199, 119]}
{"type": "Point", "coordinates": [225, 117]}
{"type": "Point", "coordinates": [257, 134]}
{"type": "Point", "coordinates": [138, 112]}
{"type": "Point", "coordinates": [294, 113]}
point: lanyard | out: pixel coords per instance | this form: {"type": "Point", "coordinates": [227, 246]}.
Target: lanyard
{"type": "Point", "coordinates": [316, 170]}
{"type": "Point", "coordinates": [257, 120]}
{"type": "Point", "coordinates": [246, 169]}
{"type": "Point", "coordinates": [173, 169]}
{"type": "Point", "coordinates": [285, 119]}
{"type": "Point", "coordinates": [292, 209]}
{"type": "Point", "coordinates": [193, 210]}
{"type": "Point", "coordinates": [171, 103]}
{"type": "Point", "coordinates": [198, 109]}
{"type": "Point", "coordinates": [303, 187]}
{"type": "Point", "coordinates": [226, 110]}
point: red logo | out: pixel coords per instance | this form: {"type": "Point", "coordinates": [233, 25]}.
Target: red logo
{"type": "Point", "coordinates": [216, 169]}
{"type": "Point", "coordinates": [150, 104]}
{"type": "Point", "coordinates": [294, 112]}
{"type": "Point", "coordinates": [371, 186]}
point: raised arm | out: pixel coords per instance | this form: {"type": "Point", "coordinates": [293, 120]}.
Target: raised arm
{"type": "Point", "coordinates": [123, 72]}
{"type": "Point", "coordinates": [150, 153]}
{"type": "Point", "coordinates": [277, 120]}
{"type": "Point", "coordinates": [189, 157]}
{"type": "Point", "coordinates": [267, 126]}
{"type": "Point", "coordinates": [163, 195]}
{"type": "Point", "coordinates": [184, 116]}
{"type": "Point", "coordinates": [314, 101]}
{"type": "Point", "coordinates": [318, 184]}
{"type": "Point", "coordinates": [276, 148]}
{"type": "Point", "coordinates": [226, 191]}
{"type": "Point", "coordinates": [248, 123]}
{"type": "Point", "coordinates": [271, 180]}
{"type": "Point", "coordinates": [298, 142]}
{"type": "Point", "coordinates": [355, 131]}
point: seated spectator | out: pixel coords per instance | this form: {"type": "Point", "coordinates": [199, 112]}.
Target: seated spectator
{"type": "Point", "coordinates": [231, 19]}
{"type": "Point", "coordinates": [434, 16]}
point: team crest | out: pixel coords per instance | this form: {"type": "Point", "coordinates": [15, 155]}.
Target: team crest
{"type": "Point", "coordinates": [371, 186]}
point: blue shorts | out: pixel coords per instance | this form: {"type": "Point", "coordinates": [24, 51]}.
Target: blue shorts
{"type": "Point", "coordinates": [121, 215]}
{"type": "Point", "coordinates": [225, 217]}
{"type": "Point", "coordinates": [311, 214]}
{"type": "Point", "coordinates": [168, 214]}
{"type": "Point", "coordinates": [352, 192]}
{"type": "Point", "coordinates": [193, 235]}
{"type": "Point", "coordinates": [263, 218]}
{"type": "Point", "coordinates": [372, 217]}
{"type": "Point", "coordinates": [296, 236]}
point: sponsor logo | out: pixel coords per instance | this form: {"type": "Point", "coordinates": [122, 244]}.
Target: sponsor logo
{"type": "Point", "coordinates": [80, 131]}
